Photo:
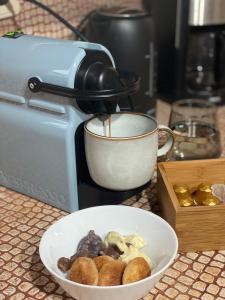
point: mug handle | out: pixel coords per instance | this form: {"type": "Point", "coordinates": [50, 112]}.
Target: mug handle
{"type": "Point", "coordinates": [169, 143]}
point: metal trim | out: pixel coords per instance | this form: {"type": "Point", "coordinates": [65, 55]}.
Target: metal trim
{"type": "Point", "coordinates": [206, 12]}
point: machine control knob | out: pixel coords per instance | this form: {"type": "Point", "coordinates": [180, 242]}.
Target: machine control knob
{"type": "Point", "coordinates": [34, 84]}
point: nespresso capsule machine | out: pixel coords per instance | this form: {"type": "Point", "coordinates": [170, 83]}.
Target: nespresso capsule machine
{"type": "Point", "coordinates": [48, 88]}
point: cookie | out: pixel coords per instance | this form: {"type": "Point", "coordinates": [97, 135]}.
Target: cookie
{"type": "Point", "coordinates": [111, 273]}
{"type": "Point", "coordinates": [101, 260]}
{"type": "Point", "coordinates": [136, 269]}
{"type": "Point", "coordinates": [84, 270]}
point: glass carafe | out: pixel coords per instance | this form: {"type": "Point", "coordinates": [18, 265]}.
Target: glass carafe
{"type": "Point", "coordinates": [193, 122]}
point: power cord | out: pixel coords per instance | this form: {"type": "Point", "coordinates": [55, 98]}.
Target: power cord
{"type": "Point", "coordinates": [84, 21]}
{"type": "Point", "coordinates": [10, 7]}
{"type": "Point", "coordinates": [58, 17]}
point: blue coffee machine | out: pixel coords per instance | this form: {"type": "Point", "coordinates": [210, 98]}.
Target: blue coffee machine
{"type": "Point", "coordinates": [48, 88]}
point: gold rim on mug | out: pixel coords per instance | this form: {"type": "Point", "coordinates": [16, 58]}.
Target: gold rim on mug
{"type": "Point", "coordinates": [122, 138]}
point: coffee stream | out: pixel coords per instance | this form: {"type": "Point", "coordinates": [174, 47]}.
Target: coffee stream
{"type": "Point", "coordinates": [110, 125]}
{"type": "Point", "coordinates": [107, 121]}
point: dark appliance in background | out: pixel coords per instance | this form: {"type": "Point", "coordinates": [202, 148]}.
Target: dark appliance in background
{"type": "Point", "coordinates": [129, 36]}
{"type": "Point", "coordinates": [191, 48]}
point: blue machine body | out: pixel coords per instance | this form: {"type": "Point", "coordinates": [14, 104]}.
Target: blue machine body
{"type": "Point", "coordinates": [37, 149]}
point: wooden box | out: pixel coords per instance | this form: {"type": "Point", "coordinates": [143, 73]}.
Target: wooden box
{"type": "Point", "coordinates": [197, 227]}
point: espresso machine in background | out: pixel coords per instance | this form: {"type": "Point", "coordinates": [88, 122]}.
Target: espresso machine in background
{"type": "Point", "coordinates": [191, 42]}
{"type": "Point", "coordinates": [130, 37]}
{"type": "Point", "coordinates": [48, 88]}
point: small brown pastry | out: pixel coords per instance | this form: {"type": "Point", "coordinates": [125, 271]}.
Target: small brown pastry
{"type": "Point", "coordinates": [111, 273]}
{"type": "Point", "coordinates": [101, 260]}
{"type": "Point", "coordinates": [84, 270]}
{"type": "Point", "coordinates": [136, 269]}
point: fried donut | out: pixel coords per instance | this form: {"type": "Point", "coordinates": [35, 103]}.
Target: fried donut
{"type": "Point", "coordinates": [136, 269]}
{"type": "Point", "coordinates": [111, 273]}
{"type": "Point", "coordinates": [84, 270]}
{"type": "Point", "coordinates": [101, 260]}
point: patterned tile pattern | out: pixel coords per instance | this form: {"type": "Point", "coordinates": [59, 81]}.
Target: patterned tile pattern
{"type": "Point", "coordinates": [197, 276]}
{"type": "Point", "coordinates": [33, 20]}
{"type": "Point", "coordinates": [22, 276]}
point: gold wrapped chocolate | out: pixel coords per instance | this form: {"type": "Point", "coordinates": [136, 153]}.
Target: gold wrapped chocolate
{"type": "Point", "coordinates": [181, 190]}
{"type": "Point", "coordinates": [183, 194]}
{"type": "Point", "coordinates": [205, 197]}
{"type": "Point", "coordinates": [200, 195]}
{"type": "Point", "coordinates": [203, 191]}
{"type": "Point", "coordinates": [187, 201]}
{"type": "Point", "coordinates": [211, 201]}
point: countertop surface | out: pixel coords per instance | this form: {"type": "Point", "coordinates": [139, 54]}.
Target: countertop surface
{"type": "Point", "coordinates": [23, 220]}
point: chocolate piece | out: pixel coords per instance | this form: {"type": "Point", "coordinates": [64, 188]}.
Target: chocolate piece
{"type": "Point", "coordinates": [64, 264]}
{"type": "Point", "coordinates": [112, 250]}
{"type": "Point", "coordinates": [89, 246]}
{"type": "Point", "coordinates": [117, 249]}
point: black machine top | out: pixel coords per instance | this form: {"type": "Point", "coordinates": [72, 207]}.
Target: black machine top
{"type": "Point", "coordinates": [121, 12]}
{"type": "Point", "coordinates": [98, 86]}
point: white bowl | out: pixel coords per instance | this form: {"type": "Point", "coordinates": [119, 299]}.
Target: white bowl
{"type": "Point", "coordinates": [62, 238]}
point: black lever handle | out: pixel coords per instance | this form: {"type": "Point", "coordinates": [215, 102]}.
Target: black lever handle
{"type": "Point", "coordinates": [36, 85]}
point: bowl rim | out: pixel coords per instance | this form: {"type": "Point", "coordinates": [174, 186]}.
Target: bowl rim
{"type": "Point", "coordinates": [122, 286]}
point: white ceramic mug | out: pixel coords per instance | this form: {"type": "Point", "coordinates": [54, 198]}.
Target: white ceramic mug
{"type": "Point", "coordinates": [126, 159]}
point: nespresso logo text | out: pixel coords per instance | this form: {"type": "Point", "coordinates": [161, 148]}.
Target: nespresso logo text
{"type": "Point", "coordinates": [31, 189]}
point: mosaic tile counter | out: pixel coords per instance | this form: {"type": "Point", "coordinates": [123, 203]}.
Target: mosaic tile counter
{"type": "Point", "coordinates": [22, 276]}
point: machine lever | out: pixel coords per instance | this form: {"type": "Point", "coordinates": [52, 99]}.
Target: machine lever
{"type": "Point", "coordinates": [36, 85]}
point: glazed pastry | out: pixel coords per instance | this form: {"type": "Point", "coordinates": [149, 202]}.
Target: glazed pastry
{"type": "Point", "coordinates": [84, 270]}
{"type": "Point", "coordinates": [111, 273]}
{"type": "Point", "coordinates": [101, 260]}
{"type": "Point", "coordinates": [136, 269]}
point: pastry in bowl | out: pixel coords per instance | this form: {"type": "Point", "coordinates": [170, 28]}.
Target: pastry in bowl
{"type": "Point", "coordinates": [111, 273]}
{"type": "Point", "coordinates": [125, 262]}
{"type": "Point", "coordinates": [84, 271]}
{"type": "Point", "coordinates": [101, 260]}
{"type": "Point", "coordinates": [137, 269]}
{"type": "Point", "coordinates": [63, 237]}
